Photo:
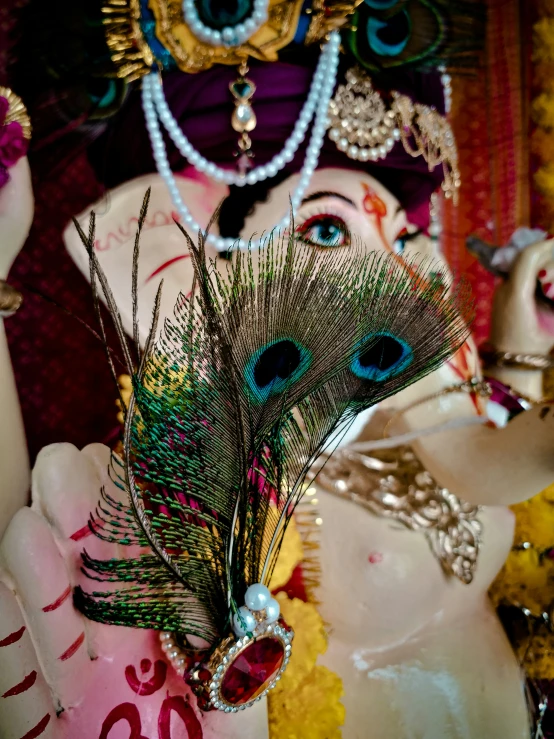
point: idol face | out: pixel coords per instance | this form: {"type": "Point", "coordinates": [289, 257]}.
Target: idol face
{"type": "Point", "coordinates": [341, 209]}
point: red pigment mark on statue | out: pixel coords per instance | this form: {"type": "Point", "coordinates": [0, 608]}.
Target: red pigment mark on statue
{"type": "Point", "coordinates": [542, 274]}
{"type": "Point", "coordinates": [124, 712]}
{"type": "Point", "coordinates": [147, 687]}
{"type": "Point", "coordinates": [81, 533]}
{"type": "Point", "coordinates": [38, 729]}
{"type": "Point", "coordinates": [125, 233]}
{"type": "Point", "coordinates": [12, 638]}
{"type": "Point", "coordinates": [375, 558]}
{"type": "Point", "coordinates": [73, 648]}
{"type": "Point", "coordinates": [21, 687]}
{"type": "Point", "coordinates": [374, 206]}
{"type": "Point", "coordinates": [58, 602]}
{"type": "Point", "coordinates": [185, 711]}
{"type": "Point", "coordinates": [167, 264]}
{"type": "Point", "coordinates": [252, 671]}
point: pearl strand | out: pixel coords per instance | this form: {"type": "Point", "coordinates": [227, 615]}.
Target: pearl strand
{"type": "Point", "coordinates": [231, 35]}
{"type": "Point", "coordinates": [310, 163]}
{"type": "Point", "coordinates": [262, 172]}
{"type": "Point", "coordinates": [173, 652]}
{"type": "Point", "coordinates": [446, 80]}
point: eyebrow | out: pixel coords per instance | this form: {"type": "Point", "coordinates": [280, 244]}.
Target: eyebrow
{"type": "Point", "coordinates": [328, 194]}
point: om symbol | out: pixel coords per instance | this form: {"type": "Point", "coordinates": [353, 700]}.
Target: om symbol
{"type": "Point", "coordinates": [129, 712]}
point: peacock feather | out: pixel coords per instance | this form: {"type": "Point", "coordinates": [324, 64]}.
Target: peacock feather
{"type": "Point", "coordinates": [233, 400]}
{"type": "Point", "coordinates": [419, 34]}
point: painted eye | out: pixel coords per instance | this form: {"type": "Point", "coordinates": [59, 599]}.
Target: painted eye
{"type": "Point", "coordinates": [324, 231]}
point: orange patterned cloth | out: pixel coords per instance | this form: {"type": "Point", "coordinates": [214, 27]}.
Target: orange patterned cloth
{"type": "Point", "coordinates": [490, 120]}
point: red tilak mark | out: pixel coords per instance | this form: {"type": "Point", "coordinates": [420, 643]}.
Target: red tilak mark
{"type": "Point", "coordinates": [183, 709]}
{"type": "Point", "coordinates": [149, 686]}
{"type": "Point", "coordinates": [81, 533]}
{"type": "Point", "coordinates": [375, 557]}
{"type": "Point", "coordinates": [542, 273]}
{"type": "Point", "coordinates": [38, 729]}
{"type": "Point", "coordinates": [167, 264]}
{"type": "Point", "coordinates": [58, 602]}
{"type": "Point", "coordinates": [124, 712]}
{"type": "Point", "coordinates": [73, 648]}
{"type": "Point", "coordinates": [12, 638]}
{"type": "Point", "coordinates": [145, 665]}
{"type": "Point", "coordinates": [21, 687]}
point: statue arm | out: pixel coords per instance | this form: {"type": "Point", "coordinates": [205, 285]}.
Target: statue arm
{"type": "Point", "coordinates": [16, 213]}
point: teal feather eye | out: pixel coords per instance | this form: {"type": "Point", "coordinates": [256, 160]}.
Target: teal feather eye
{"type": "Point", "coordinates": [273, 368]}
{"type": "Point", "coordinates": [389, 37]}
{"type": "Point", "coordinates": [381, 4]}
{"type": "Point", "coordinates": [381, 356]}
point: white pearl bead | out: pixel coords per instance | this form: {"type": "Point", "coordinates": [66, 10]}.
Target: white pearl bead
{"type": "Point", "coordinates": [272, 610]}
{"type": "Point", "coordinates": [342, 144]}
{"type": "Point", "coordinates": [363, 155]}
{"type": "Point", "coordinates": [334, 134]}
{"type": "Point", "coordinates": [373, 154]}
{"type": "Point", "coordinates": [243, 621]}
{"type": "Point", "coordinates": [435, 229]}
{"type": "Point", "coordinates": [389, 143]}
{"type": "Point", "coordinates": [353, 152]}
{"type": "Point", "coordinates": [382, 151]}
{"type": "Point", "coordinates": [227, 35]}
{"type": "Point", "coordinates": [257, 597]}
{"type": "Point", "coordinates": [396, 134]}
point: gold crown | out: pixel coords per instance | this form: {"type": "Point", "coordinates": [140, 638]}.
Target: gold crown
{"type": "Point", "coordinates": [133, 56]}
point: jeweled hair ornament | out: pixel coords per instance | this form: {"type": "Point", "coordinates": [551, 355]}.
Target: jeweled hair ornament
{"type": "Point", "coordinates": [232, 402]}
{"type": "Point", "coordinates": [364, 127]}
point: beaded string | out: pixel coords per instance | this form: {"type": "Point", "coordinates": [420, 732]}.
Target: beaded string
{"type": "Point", "coordinates": [325, 87]}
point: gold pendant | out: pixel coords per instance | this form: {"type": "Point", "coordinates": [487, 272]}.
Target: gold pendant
{"type": "Point", "coordinates": [243, 119]}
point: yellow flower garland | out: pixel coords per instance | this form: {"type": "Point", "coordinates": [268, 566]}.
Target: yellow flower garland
{"type": "Point", "coordinates": [527, 581]}
{"type": "Point", "coordinates": [543, 109]}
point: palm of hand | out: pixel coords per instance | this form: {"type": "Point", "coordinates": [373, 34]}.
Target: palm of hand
{"type": "Point", "coordinates": [62, 676]}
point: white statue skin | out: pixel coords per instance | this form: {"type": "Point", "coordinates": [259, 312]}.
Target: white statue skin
{"type": "Point", "coordinates": [392, 620]}
{"type": "Point", "coordinates": [16, 215]}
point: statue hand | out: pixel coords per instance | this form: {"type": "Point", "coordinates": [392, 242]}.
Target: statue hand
{"type": "Point", "coordinates": [523, 313]}
{"type": "Point", "coordinates": [16, 214]}
{"type": "Point", "coordinates": [61, 675]}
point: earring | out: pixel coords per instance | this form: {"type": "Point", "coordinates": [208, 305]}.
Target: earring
{"type": "Point", "coordinates": [361, 125]}
{"type": "Point", "coordinates": [366, 128]}
{"type": "Point", "coordinates": [243, 119]}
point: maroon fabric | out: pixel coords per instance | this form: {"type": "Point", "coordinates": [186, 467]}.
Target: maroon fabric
{"type": "Point", "coordinates": [65, 389]}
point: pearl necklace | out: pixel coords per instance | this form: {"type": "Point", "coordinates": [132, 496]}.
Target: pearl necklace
{"type": "Point", "coordinates": [324, 87]}
{"type": "Point", "coordinates": [230, 35]}
{"type": "Point", "coordinates": [257, 174]}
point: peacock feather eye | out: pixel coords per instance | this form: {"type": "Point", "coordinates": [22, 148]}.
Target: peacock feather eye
{"type": "Point", "coordinates": [389, 37]}
{"type": "Point", "coordinates": [381, 355]}
{"type": "Point", "coordinates": [275, 367]}
{"type": "Point", "coordinates": [381, 4]}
